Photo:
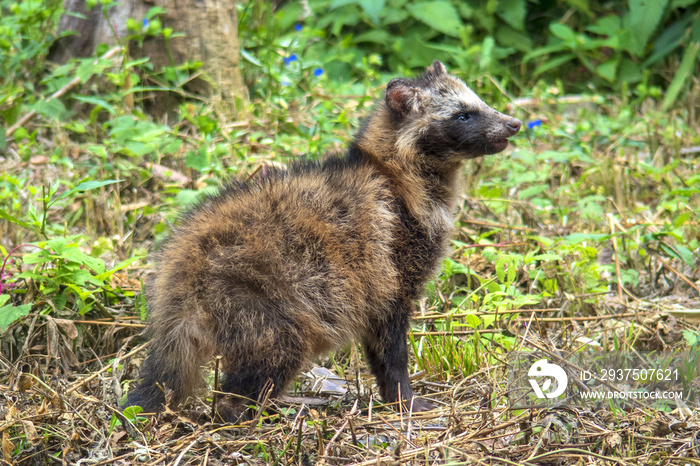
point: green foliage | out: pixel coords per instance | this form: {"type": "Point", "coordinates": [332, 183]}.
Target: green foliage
{"type": "Point", "coordinates": [26, 33]}
{"type": "Point", "coordinates": [613, 46]}
{"type": "Point", "coordinates": [62, 273]}
{"type": "Point", "coordinates": [9, 313]}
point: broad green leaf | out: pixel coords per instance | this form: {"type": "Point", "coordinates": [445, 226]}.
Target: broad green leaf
{"type": "Point", "coordinates": [74, 254]}
{"type": "Point", "coordinates": [10, 313]}
{"type": "Point", "coordinates": [509, 37]}
{"type": "Point", "coordinates": [90, 67]}
{"type": "Point", "coordinates": [668, 41]}
{"type": "Point", "coordinates": [642, 19]}
{"type": "Point", "coordinates": [373, 9]}
{"type": "Point", "coordinates": [472, 321]}
{"type": "Point", "coordinates": [605, 26]}
{"type": "Point", "coordinates": [563, 32]}
{"type": "Point", "coordinates": [51, 108]}
{"type": "Point", "coordinates": [439, 15]}
{"type": "Point", "coordinates": [691, 338]}
{"type": "Point", "coordinates": [198, 160]}
{"type": "Point", "coordinates": [608, 70]}
{"type": "Point", "coordinates": [57, 245]}
{"type": "Point", "coordinates": [513, 12]}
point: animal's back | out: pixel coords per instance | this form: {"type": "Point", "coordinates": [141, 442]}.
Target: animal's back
{"type": "Point", "coordinates": [304, 253]}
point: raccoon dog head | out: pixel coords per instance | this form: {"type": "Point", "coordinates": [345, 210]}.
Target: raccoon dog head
{"type": "Point", "coordinates": [445, 119]}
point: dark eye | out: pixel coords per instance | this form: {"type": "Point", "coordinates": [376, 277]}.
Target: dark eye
{"type": "Point", "coordinates": [463, 116]}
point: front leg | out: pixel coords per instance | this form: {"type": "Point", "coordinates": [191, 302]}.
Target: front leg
{"type": "Point", "coordinates": [387, 352]}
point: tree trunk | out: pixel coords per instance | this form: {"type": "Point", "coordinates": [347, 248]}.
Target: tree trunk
{"type": "Point", "coordinates": [211, 36]}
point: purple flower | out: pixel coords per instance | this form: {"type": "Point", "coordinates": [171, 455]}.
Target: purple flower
{"type": "Point", "coordinates": [318, 72]}
{"type": "Point", "coordinates": [534, 123]}
{"type": "Point", "coordinates": [297, 27]}
{"type": "Point", "coordinates": [291, 58]}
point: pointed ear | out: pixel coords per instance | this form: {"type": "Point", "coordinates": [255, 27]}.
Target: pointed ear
{"type": "Point", "coordinates": [436, 69]}
{"type": "Point", "coordinates": [402, 96]}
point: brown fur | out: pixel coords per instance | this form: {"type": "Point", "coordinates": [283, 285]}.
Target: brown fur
{"type": "Point", "coordinates": [271, 273]}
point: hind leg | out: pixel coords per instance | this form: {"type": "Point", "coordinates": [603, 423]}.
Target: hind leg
{"type": "Point", "coordinates": [251, 373]}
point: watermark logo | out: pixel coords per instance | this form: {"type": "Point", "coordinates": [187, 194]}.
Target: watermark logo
{"type": "Point", "coordinates": [549, 371]}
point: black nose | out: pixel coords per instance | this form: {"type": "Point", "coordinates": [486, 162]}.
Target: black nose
{"type": "Point", "coordinates": [514, 125]}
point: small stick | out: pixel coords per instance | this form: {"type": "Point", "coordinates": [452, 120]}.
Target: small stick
{"type": "Point", "coordinates": [617, 258]}
{"type": "Point", "coordinates": [682, 277]}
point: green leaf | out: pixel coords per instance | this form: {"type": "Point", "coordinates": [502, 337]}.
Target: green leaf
{"type": "Point", "coordinates": [691, 338]}
{"type": "Point", "coordinates": [509, 37]}
{"type": "Point", "coordinates": [563, 32]}
{"type": "Point", "coordinates": [554, 63]}
{"type": "Point", "coordinates": [679, 252]}
{"type": "Point", "coordinates": [642, 20]}
{"type": "Point", "coordinates": [77, 256]}
{"type": "Point", "coordinates": [375, 36]}
{"type": "Point", "coordinates": [668, 41]}
{"type": "Point", "coordinates": [513, 12]}
{"type": "Point", "coordinates": [373, 9]}
{"type": "Point", "coordinates": [576, 238]}
{"type": "Point", "coordinates": [605, 26]}
{"type": "Point", "coordinates": [57, 245]}
{"type": "Point", "coordinates": [10, 313]}
{"type": "Point", "coordinates": [472, 321]}
{"type": "Point", "coordinates": [97, 102]}
{"type": "Point", "coordinates": [123, 264]}
{"type": "Point", "coordinates": [607, 70]}
{"type": "Point", "coordinates": [539, 51]}
{"type": "Point", "coordinates": [17, 221]}
{"type": "Point", "coordinates": [684, 71]}
{"type": "Point", "coordinates": [89, 67]}
{"type": "Point", "coordinates": [250, 59]}
{"type": "Point", "coordinates": [533, 191]}
{"type": "Point", "coordinates": [439, 15]}
{"type": "Point", "coordinates": [52, 108]}
{"type": "Point", "coordinates": [86, 186]}
{"type": "Point", "coordinates": [199, 160]}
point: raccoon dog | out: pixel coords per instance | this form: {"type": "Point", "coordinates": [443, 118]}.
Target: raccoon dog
{"type": "Point", "coordinates": [272, 272]}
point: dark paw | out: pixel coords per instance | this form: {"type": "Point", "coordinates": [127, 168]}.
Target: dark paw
{"type": "Point", "coordinates": [230, 411]}
{"type": "Point", "coordinates": [418, 405]}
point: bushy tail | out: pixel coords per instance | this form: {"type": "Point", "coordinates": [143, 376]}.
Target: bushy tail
{"type": "Point", "coordinates": [175, 355]}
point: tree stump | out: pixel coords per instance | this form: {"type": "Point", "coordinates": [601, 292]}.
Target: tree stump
{"type": "Point", "coordinates": [210, 30]}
